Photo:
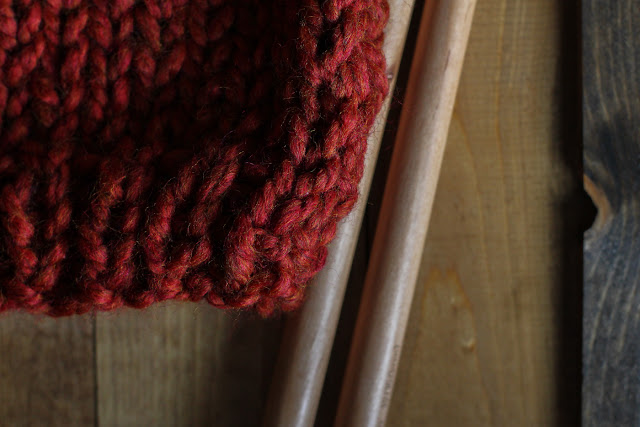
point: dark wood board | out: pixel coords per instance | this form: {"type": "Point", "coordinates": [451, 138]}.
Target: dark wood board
{"type": "Point", "coordinates": [611, 132]}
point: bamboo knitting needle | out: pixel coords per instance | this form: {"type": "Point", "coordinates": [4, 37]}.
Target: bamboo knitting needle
{"type": "Point", "coordinates": [309, 334]}
{"type": "Point", "coordinates": [404, 216]}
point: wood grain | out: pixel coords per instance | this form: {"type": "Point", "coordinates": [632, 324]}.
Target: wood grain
{"type": "Point", "coordinates": [46, 371]}
{"type": "Point", "coordinates": [453, 357]}
{"type": "Point", "coordinates": [611, 126]}
{"type": "Point", "coordinates": [183, 364]}
{"type": "Point", "coordinates": [485, 332]}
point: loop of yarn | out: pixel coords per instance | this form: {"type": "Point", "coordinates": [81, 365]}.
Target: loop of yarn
{"type": "Point", "coordinates": [179, 149]}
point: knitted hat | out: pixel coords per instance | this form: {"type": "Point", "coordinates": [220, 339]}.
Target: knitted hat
{"type": "Point", "coordinates": [179, 149]}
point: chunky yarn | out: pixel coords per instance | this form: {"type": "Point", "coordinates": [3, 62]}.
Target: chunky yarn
{"type": "Point", "coordinates": [179, 149]}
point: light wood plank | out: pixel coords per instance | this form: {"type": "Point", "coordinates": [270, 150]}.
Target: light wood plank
{"type": "Point", "coordinates": [484, 340]}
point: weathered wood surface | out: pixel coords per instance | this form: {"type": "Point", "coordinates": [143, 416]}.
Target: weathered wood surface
{"type": "Point", "coordinates": [611, 126]}
{"type": "Point", "coordinates": [487, 343]}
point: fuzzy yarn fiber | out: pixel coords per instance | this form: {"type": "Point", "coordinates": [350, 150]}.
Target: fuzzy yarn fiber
{"type": "Point", "coordinates": [179, 149]}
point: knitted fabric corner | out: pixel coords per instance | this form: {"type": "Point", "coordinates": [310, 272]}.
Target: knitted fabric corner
{"type": "Point", "coordinates": [179, 149]}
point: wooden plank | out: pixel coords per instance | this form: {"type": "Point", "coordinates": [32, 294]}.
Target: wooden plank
{"type": "Point", "coordinates": [183, 364]}
{"type": "Point", "coordinates": [611, 328]}
{"type": "Point", "coordinates": [485, 339]}
{"type": "Point", "coordinates": [46, 371]}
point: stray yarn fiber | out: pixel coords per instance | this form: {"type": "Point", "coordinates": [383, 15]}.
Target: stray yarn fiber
{"type": "Point", "coordinates": [179, 149]}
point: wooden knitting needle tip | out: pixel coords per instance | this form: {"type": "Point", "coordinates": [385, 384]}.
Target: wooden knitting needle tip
{"type": "Point", "coordinates": [404, 216]}
{"type": "Point", "coordinates": [308, 336]}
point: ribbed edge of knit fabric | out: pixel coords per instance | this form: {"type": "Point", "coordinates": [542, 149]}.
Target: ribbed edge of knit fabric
{"type": "Point", "coordinates": [179, 149]}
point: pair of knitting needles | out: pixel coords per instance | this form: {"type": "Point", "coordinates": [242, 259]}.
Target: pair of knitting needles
{"type": "Point", "coordinates": [399, 239]}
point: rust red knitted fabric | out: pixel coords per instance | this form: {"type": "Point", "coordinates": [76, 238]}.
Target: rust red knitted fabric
{"type": "Point", "coordinates": [179, 149]}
